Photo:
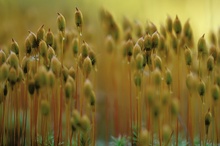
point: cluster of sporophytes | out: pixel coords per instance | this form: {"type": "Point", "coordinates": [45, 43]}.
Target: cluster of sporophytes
{"type": "Point", "coordinates": [155, 86]}
{"type": "Point", "coordinates": [165, 86]}
{"type": "Point", "coordinates": [38, 91]}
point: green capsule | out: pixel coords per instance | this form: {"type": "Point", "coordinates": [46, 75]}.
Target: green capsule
{"type": "Point", "coordinates": [215, 92]}
{"type": "Point", "coordinates": [168, 77]}
{"type": "Point", "coordinates": [177, 27]}
{"type": "Point", "coordinates": [84, 124]}
{"type": "Point", "coordinates": [139, 60]}
{"type": "Point", "coordinates": [147, 42]}
{"type": "Point", "coordinates": [50, 38]}
{"type": "Point", "coordinates": [72, 72]}
{"type": "Point", "coordinates": [13, 60]}
{"type": "Point", "coordinates": [12, 76]}
{"type": "Point", "coordinates": [84, 49]}
{"type": "Point", "coordinates": [78, 18]}
{"type": "Point", "coordinates": [158, 62]}
{"type": "Point", "coordinates": [4, 72]}
{"type": "Point", "coordinates": [188, 56]}
{"type": "Point", "coordinates": [210, 63]}
{"type": "Point", "coordinates": [40, 34]}
{"type": "Point", "coordinates": [2, 57]}
{"type": "Point", "coordinates": [61, 22]}
{"type": "Point", "coordinates": [136, 50]}
{"type": "Point", "coordinates": [174, 107]}
{"type": "Point", "coordinates": [43, 48]}
{"type": "Point", "coordinates": [45, 107]}
{"type": "Point", "coordinates": [68, 90]}
{"type": "Point", "coordinates": [201, 89]}
{"type": "Point", "coordinates": [137, 79]}
{"type": "Point", "coordinates": [75, 46]}
{"type": "Point", "coordinates": [202, 45]}
{"type": "Point", "coordinates": [87, 66]}
{"type": "Point", "coordinates": [155, 40]}
{"type": "Point", "coordinates": [208, 120]}
{"type": "Point", "coordinates": [169, 24]}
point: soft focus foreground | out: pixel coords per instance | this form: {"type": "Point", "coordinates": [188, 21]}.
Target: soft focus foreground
{"type": "Point", "coordinates": [87, 73]}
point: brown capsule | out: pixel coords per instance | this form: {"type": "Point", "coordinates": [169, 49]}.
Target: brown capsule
{"type": "Point", "coordinates": [15, 47]}
{"type": "Point", "coordinates": [40, 34]}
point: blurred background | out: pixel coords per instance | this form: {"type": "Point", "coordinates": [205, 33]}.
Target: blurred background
{"type": "Point", "coordinates": [19, 16]}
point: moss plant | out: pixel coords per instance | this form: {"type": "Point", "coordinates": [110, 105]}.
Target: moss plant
{"type": "Point", "coordinates": [84, 83]}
